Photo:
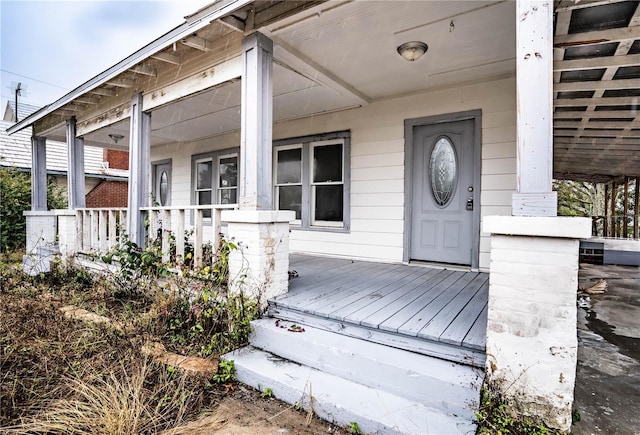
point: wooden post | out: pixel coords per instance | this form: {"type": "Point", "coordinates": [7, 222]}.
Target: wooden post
{"type": "Point", "coordinates": [180, 235]}
{"type": "Point", "coordinates": [79, 231]}
{"type": "Point", "coordinates": [534, 89]}
{"type": "Point", "coordinates": [75, 167]}
{"type": "Point", "coordinates": [605, 224]}
{"type": "Point", "coordinates": [139, 162]}
{"type": "Point", "coordinates": [625, 230]}
{"type": "Point", "coordinates": [614, 194]}
{"type": "Point", "coordinates": [166, 233]}
{"type": "Point", "coordinates": [113, 229]}
{"type": "Point", "coordinates": [95, 229]}
{"type": "Point", "coordinates": [256, 123]}
{"type": "Point", "coordinates": [103, 230]}
{"type": "Point", "coordinates": [197, 242]}
{"type": "Point", "coordinates": [636, 212]}
{"type": "Point", "coordinates": [38, 173]}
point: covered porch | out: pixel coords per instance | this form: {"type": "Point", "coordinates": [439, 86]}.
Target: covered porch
{"type": "Point", "coordinates": [245, 86]}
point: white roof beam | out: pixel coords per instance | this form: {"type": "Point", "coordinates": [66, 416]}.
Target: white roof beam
{"type": "Point", "coordinates": [597, 36]}
{"type": "Point", "coordinates": [568, 5]}
{"type": "Point", "coordinates": [289, 56]}
{"type": "Point", "coordinates": [602, 133]}
{"type": "Point", "coordinates": [596, 124]}
{"type": "Point", "coordinates": [233, 23]}
{"type": "Point", "coordinates": [146, 70]}
{"type": "Point", "coordinates": [103, 91]}
{"type": "Point", "coordinates": [121, 82]}
{"type": "Point", "coordinates": [597, 85]}
{"type": "Point", "coordinates": [602, 101]}
{"type": "Point", "coordinates": [197, 43]}
{"type": "Point", "coordinates": [598, 62]}
{"type": "Point", "coordinates": [168, 58]}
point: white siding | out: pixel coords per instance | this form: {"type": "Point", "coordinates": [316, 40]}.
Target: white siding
{"type": "Point", "coordinates": [377, 168]}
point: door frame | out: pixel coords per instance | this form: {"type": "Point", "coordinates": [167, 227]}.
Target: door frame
{"type": "Point", "coordinates": [409, 125]}
{"type": "Point", "coordinates": [153, 176]}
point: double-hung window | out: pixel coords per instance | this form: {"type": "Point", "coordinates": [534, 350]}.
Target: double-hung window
{"type": "Point", "coordinates": [311, 177]}
{"type": "Point", "coordinates": [215, 179]}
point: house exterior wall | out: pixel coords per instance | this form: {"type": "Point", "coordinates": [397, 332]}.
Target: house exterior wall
{"type": "Point", "coordinates": [117, 159]}
{"type": "Point", "coordinates": [377, 165]}
{"type": "Point", "coordinates": [108, 194]}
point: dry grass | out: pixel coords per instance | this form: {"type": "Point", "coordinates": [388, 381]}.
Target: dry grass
{"type": "Point", "coordinates": [124, 401]}
{"type": "Point", "coordinates": [60, 375]}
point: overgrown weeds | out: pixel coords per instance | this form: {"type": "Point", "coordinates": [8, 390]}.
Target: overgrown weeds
{"type": "Point", "coordinates": [58, 373]}
{"type": "Point", "coordinates": [496, 416]}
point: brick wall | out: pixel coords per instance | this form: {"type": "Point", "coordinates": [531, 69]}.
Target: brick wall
{"type": "Point", "coordinates": [108, 194]}
{"type": "Point", "coordinates": [117, 159]}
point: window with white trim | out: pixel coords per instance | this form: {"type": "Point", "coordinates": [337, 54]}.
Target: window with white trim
{"type": "Point", "coordinates": [215, 179]}
{"type": "Point", "coordinates": [311, 177]}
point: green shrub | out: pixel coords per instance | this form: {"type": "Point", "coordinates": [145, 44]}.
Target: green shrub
{"type": "Point", "coordinates": [15, 198]}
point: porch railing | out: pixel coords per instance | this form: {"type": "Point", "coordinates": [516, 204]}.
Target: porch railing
{"type": "Point", "coordinates": [100, 229]}
{"type": "Point", "coordinates": [618, 226]}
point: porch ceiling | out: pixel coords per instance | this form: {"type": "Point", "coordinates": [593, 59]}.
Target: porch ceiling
{"type": "Point", "coordinates": [597, 90]}
{"type": "Point", "coordinates": [340, 54]}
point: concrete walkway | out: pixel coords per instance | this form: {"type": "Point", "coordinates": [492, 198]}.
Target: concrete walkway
{"type": "Point", "coordinates": [607, 391]}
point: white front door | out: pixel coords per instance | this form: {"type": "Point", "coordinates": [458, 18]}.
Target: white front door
{"type": "Point", "coordinates": [443, 193]}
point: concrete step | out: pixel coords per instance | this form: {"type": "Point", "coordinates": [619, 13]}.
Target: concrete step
{"type": "Point", "coordinates": [340, 400]}
{"type": "Point", "coordinates": [446, 386]}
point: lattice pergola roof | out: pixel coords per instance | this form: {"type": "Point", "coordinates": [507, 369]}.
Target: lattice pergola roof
{"type": "Point", "coordinates": [596, 89]}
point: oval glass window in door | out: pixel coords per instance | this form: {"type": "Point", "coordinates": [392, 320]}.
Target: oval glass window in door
{"type": "Point", "coordinates": [444, 171]}
{"type": "Point", "coordinates": [164, 188]}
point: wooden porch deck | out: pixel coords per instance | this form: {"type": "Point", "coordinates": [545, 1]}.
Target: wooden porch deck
{"type": "Point", "coordinates": [432, 311]}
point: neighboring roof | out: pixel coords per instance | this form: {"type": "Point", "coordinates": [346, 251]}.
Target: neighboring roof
{"type": "Point", "coordinates": [24, 110]}
{"type": "Point", "coordinates": [15, 151]}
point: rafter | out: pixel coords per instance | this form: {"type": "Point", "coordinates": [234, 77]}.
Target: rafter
{"type": "Point", "coordinates": [597, 62]}
{"type": "Point", "coordinates": [569, 5]}
{"type": "Point", "coordinates": [197, 43]}
{"type": "Point", "coordinates": [595, 114]}
{"type": "Point", "coordinates": [597, 85]}
{"type": "Point", "coordinates": [103, 91]}
{"type": "Point", "coordinates": [598, 133]}
{"type": "Point", "coordinates": [597, 37]}
{"type": "Point", "coordinates": [232, 23]}
{"type": "Point", "coordinates": [596, 124]}
{"type": "Point", "coordinates": [168, 58]}
{"type": "Point", "coordinates": [146, 70]}
{"type": "Point", "coordinates": [602, 101]}
{"type": "Point", "coordinates": [594, 141]}
{"type": "Point", "coordinates": [87, 100]}
{"type": "Point", "coordinates": [121, 82]}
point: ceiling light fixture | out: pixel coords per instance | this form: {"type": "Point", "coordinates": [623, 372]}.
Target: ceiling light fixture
{"type": "Point", "coordinates": [116, 137]}
{"type": "Point", "coordinates": [412, 50]}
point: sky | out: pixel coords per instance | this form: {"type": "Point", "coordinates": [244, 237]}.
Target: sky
{"type": "Point", "coordinates": [52, 47]}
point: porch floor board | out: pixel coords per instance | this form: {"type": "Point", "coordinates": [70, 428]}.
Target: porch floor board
{"type": "Point", "coordinates": [419, 303]}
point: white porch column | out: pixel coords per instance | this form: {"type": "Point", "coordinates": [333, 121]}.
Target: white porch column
{"type": "Point", "coordinates": [534, 84]}
{"type": "Point", "coordinates": [256, 185]}
{"type": "Point", "coordinates": [260, 266]}
{"type": "Point", "coordinates": [531, 328]}
{"type": "Point", "coordinates": [38, 173]}
{"type": "Point", "coordinates": [75, 167]}
{"type": "Point", "coordinates": [139, 164]}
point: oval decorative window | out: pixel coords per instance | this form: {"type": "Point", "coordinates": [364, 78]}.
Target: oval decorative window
{"type": "Point", "coordinates": [164, 187]}
{"type": "Point", "coordinates": [444, 171]}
